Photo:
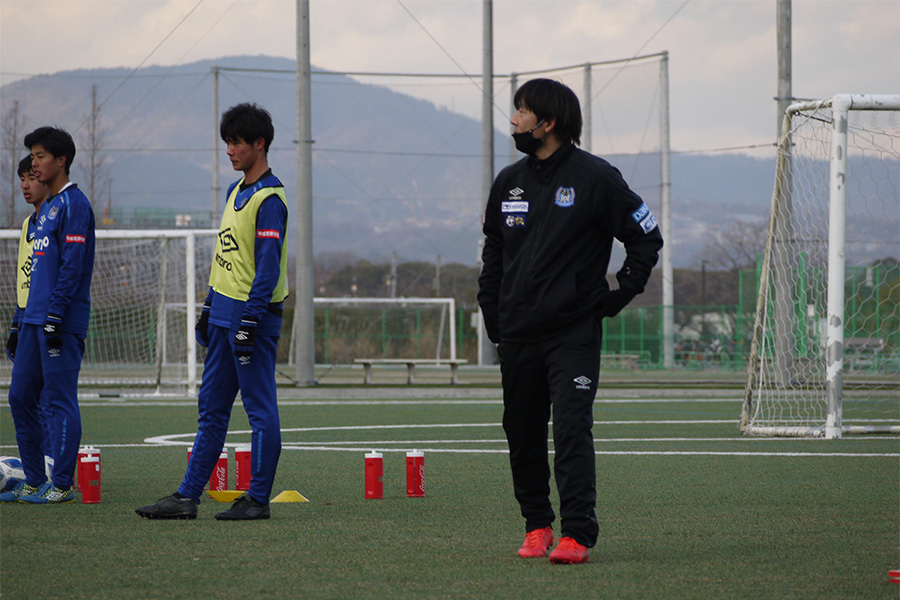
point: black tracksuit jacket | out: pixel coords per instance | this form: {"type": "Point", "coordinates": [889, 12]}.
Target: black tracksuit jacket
{"type": "Point", "coordinates": [549, 227]}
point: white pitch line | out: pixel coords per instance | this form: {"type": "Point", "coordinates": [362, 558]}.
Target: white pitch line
{"type": "Point", "coordinates": [345, 446]}
{"type": "Point", "coordinates": [596, 441]}
{"type": "Point", "coordinates": [606, 453]}
{"type": "Point", "coordinates": [127, 403]}
{"type": "Point", "coordinates": [173, 438]}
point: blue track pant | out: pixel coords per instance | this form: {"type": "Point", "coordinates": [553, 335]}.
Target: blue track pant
{"type": "Point", "coordinates": [41, 375]}
{"type": "Point", "coordinates": [223, 377]}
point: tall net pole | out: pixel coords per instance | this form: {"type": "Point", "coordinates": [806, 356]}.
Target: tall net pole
{"type": "Point", "coordinates": [215, 157]}
{"type": "Point", "coordinates": [668, 292]}
{"type": "Point", "coordinates": [485, 347]}
{"type": "Point", "coordinates": [304, 324]}
{"type": "Point", "coordinates": [783, 247]}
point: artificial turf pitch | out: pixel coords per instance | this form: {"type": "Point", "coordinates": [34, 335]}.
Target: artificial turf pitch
{"type": "Point", "coordinates": [688, 509]}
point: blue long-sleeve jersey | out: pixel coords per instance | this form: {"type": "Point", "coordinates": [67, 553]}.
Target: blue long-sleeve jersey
{"type": "Point", "coordinates": [62, 261]}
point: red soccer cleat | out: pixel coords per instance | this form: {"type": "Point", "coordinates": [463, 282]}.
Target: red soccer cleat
{"type": "Point", "coordinates": [569, 552]}
{"type": "Point", "coordinates": [537, 542]}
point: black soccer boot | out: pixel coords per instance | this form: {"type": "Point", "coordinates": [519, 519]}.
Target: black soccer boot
{"type": "Point", "coordinates": [170, 507]}
{"type": "Point", "coordinates": [245, 508]}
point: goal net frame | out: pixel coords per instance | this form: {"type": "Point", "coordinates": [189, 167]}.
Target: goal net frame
{"type": "Point", "coordinates": [148, 300]}
{"type": "Point", "coordinates": [764, 362]}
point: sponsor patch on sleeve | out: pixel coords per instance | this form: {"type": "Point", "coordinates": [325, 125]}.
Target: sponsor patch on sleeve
{"type": "Point", "coordinates": [648, 224]}
{"type": "Point", "coordinates": [640, 213]}
{"type": "Point", "coordinates": [75, 239]}
{"type": "Point", "coordinates": [643, 217]}
{"type": "Point", "coordinates": [268, 234]}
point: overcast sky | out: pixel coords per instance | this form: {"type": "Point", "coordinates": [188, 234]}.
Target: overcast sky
{"type": "Point", "coordinates": [722, 53]}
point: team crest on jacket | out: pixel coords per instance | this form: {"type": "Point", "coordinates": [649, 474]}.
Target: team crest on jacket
{"type": "Point", "coordinates": [565, 196]}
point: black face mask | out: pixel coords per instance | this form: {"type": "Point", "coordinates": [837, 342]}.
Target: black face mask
{"type": "Point", "coordinates": [527, 143]}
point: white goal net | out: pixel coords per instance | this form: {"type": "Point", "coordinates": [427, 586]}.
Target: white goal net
{"type": "Point", "coordinates": [145, 291]}
{"type": "Point", "coordinates": [825, 353]}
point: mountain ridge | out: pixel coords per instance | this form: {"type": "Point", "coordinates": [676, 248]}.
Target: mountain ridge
{"type": "Point", "coordinates": [391, 173]}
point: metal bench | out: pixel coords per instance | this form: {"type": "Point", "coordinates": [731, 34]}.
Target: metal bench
{"type": "Point", "coordinates": [620, 361]}
{"type": "Point", "coordinates": [411, 364]}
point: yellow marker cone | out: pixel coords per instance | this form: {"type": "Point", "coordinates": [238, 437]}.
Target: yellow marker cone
{"type": "Point", "coordinates": [289, 496]}
{"type": "Point", "coordinates": [225, 495]}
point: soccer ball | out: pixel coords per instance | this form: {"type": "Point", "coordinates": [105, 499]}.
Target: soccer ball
{"type": "Point", "coordinates": [11, 472]}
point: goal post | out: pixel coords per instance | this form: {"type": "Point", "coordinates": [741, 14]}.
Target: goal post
{"type": "Point", "coordinates": [836, 183]}
{"type": "Point", "coordinates": [144, 303]}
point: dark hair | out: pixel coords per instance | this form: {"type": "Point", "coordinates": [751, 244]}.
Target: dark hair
{"type": "Point", "coordinates": [247, 122]}
{"type": "Point", "coordinates": [56, 141]}
{"type": "Point", "coordinates": [25, 166]}
{"type": "Point", "coordinates": [549, 99]}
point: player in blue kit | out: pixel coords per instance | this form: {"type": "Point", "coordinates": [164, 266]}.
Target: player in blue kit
{"type": "Point", "coordinates": [240, 324]}
{"type": "Point", "coordinates": [51, 339]}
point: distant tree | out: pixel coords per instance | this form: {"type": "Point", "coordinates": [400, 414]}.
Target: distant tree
{"type": "Point", "coordinates": [736, 247]}
{"type": "Point", "coordinates": [12, 130]}
{"type": "Point", "coordinates": [94, 170]}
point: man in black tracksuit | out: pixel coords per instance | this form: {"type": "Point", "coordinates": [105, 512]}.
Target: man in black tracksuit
{"type": "Point", "coordinates": [549, 226]}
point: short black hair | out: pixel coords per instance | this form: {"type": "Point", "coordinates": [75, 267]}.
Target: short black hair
{"type": "Point", "coordinates": [25, 166]}
{"type": "Point", "coordinates": [550, 99]}
{"type": "Point", "coordinates": [247, 122]}
{"type": "Point", "coordinates": [56, 141]}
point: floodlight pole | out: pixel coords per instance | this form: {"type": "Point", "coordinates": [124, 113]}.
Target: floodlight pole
{"type": "Point", "coordinates": [215, 162]}
{"type": "Point", "coordinates": [783, 248]}
{"type": "Point", "coordinates": [303, 329]}
{"type": "Point", "coordinates": [486, 350]}
{"type": "Point", "coordinates": [668, 292]}
{"type": "Point", "coordinates": [587, 114]}
{"type": "Point", "coordinates": [513, 86]}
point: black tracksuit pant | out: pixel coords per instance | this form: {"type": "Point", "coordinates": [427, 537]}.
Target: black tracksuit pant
{"type": "Point", "coordinates": [559, 374]}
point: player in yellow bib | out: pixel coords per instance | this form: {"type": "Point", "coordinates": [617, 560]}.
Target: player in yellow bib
{"type": "Point", "coordinates": [34, 193]}
{"type": "Point", "coordinates": [32, 430]}
{"type": "Point", "coordinates": [240, 324]}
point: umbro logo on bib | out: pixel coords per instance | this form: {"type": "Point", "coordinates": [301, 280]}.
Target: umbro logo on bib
{"type": "Point", "coordinates": [227, 240]}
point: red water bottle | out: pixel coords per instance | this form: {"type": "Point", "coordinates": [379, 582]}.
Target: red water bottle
{"type": "Point", "coordinates": [415, 474]}
{"type": "Point", "coordinates": [90, 478]}
{"type": "Point", "coordinates": [374, 475]}
{"type": "Point", "coordinates": [242, 468]}
{"type": "Point", "coordinates": [218, 480]}
{"type": "Point", "coordinates": [83, 453]}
